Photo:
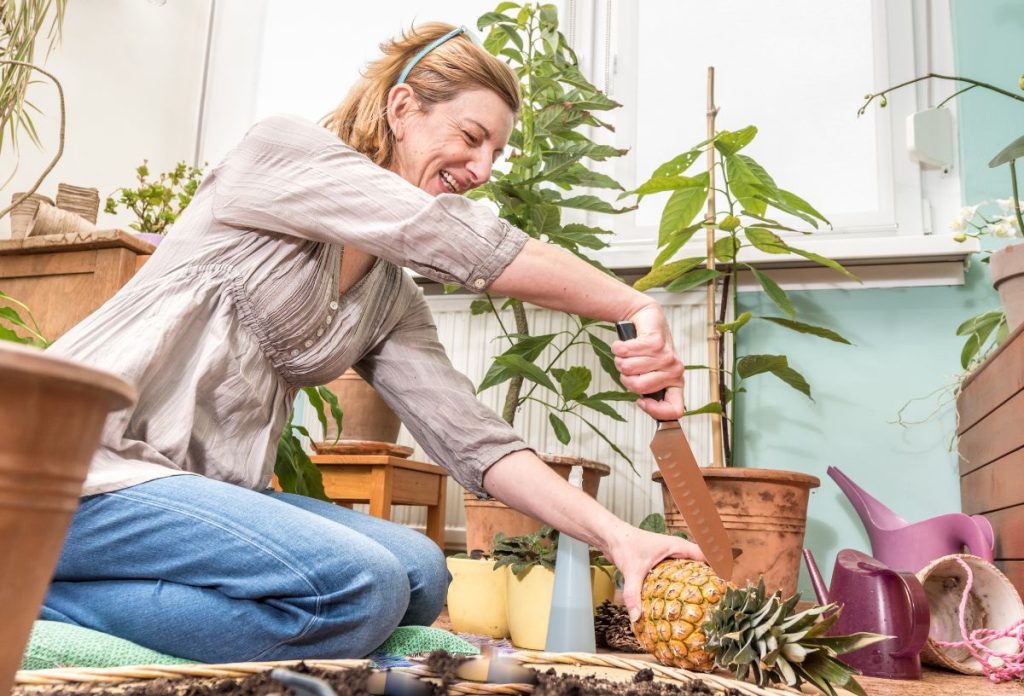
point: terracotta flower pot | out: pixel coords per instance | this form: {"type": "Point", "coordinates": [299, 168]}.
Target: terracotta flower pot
{"type": "Point", "coordinates": [366, 415]}
{"type": "Point", "coordinates": [765, 515]}
{"type": "Point", "coordinates": [993, 603]}
{"type": "Point", "coordinates": [484, 518]}
{"type": "Point", "coordinates": [529, 602]}
{"type": "Point", "coordinates": [51, 414]}
{"type": "Point", "coordinates": [1007, 266]}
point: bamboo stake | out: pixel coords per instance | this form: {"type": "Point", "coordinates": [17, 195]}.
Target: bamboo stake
{"type": "Point", "coordinates": [709, 230]}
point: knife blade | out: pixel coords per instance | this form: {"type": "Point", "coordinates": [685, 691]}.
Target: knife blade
{"type": "Point", "coordinates": [686, 484]}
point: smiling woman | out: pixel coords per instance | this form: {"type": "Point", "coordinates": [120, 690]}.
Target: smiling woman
{"type": "Point", "coordinates": [284, 271]}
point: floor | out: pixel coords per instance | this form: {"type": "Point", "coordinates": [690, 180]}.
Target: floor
{"type": "Point", "coordinates": [934, 682]}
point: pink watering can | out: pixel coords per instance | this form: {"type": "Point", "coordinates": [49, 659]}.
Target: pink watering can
{"type": "Point", "coordinates": [876, 599]}
{"type": "Point", "coordinates": [905, 546]}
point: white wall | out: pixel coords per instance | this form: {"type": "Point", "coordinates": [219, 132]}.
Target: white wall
{"type": "Point", "coordinates": [132, 75]}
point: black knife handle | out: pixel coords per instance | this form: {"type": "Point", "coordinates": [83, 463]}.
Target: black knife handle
{"type": "Point", "coordinates": [627, 332]}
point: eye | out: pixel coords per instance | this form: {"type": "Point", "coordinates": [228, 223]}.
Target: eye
{"type": "Point", "coordinates": [470, 138]}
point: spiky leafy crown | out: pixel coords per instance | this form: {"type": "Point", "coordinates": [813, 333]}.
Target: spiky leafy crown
{"type": "Point", "coordinates": [760, 638]}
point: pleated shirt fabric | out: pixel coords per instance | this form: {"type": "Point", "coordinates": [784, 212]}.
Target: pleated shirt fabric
{"type": "Point", "coordinates": [240, 307]}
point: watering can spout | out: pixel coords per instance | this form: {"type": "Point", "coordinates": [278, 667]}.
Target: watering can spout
{"type": "Point", "coordinates": [816, 580]}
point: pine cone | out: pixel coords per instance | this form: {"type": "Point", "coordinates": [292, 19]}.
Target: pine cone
{"type": "Point", "coordinates": [613, 630]}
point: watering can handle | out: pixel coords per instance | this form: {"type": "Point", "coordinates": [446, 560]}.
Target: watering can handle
{"type": "Point", "coordinates": [920, 614]}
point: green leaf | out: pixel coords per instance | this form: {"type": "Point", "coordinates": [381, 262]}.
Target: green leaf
{"type": "Point", "coordinates": [729, 223]}
{"type": "Point", "coordinates": [675, 243]}
{"type": "Point", "coordinates": [731, 142]}
{"type": "Point", "coordinates": [1014, 150]}
{"type": "Point", "coordinates": [726, 248]}
{"type": "Point", "coordinates": [971, 347]}
{"type": "Point", "coordinates": [801, 327]}
{"type": "Point", "coordinates": [478, 307]}
{"type": "Point", "coordinates": [794, 379]}
{"type": "Point", "coordinates": [666, 183]}
{"type": "Point", "coordinates": [765, 240]}
{"type": "Point", "coordinates": [776, 293]}
{"type": "Point", "coordinates": [561, 431]}
{"type": "Point", "coordinates": [682, 207]}
{"type": "Point", "coordinates": [527, 369]}
{"type": "Point", "coordinates": [712, 407]}
{"type": "Point", "coordinates": [604, 354]}
{"type": "Point", "coordinates": [615, 396]}
{"type": "Point", "coordinates": [588, 202]}
{"type": "Point", "coordinates": [823, 261]}
{"type": "Point", "coordinates": [693, 278]}
{"type": "Point", "coordinates": [680, 163]}
{"type": "Point", "coordinates": [601, 407]}
{"type": "Point", "coordinates": [662, 275]}
{"type": "Point", "coordinates": [734, 325]}
{"type": "Point", "coordinates": [654, 522]}
{"type": "Point", "coordinates": [979, 322]}
{"type": "Point", "coordinates": [748, 180]}
{"type": "Point", "coordinates": [545, 219]}
{"type": "Point", "coordinates": [574, 382]}
{"type": "Point", "coordinates": [750, 365]}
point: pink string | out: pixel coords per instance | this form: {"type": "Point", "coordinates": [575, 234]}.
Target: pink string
{"type": "Point", "coordinates": [1013, 663]}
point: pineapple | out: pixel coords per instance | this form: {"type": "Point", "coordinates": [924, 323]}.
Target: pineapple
{"type": "Point", "coordinates": [692, 618]}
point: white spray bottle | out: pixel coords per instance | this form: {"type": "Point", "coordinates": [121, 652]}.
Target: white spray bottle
{"type": "Point", "coordinates": [571, 622]}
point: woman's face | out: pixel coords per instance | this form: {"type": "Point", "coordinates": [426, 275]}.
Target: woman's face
{"type": "Point", "coordinates": [451, 147]}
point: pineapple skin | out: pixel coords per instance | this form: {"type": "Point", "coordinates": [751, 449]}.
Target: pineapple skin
{"type": "Point", "coordinates": [678, 596]}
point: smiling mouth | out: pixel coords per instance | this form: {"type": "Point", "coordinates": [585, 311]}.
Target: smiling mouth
{"type": "Point", "coordinates": [450, 182]}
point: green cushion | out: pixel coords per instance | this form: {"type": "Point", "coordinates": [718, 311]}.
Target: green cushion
{"type": "Point", "coordinates": [54, 644]}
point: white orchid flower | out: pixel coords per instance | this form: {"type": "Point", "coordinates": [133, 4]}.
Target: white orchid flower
{"type": "Point", "coordinates": [966, 215]}
{"type": "Point", "coordinates": [1002, 229]}
{"type": "Point", "coordinates": [1006, 205]}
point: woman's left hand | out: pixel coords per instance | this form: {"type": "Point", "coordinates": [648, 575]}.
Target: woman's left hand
{"type": "Point", "coordinates": [635, 551]}
{"type": "Point", "coordinates": [649, 362]}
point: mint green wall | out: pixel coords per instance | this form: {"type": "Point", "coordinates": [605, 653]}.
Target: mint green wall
{"type": "Point", "coordinates": [905, 343]}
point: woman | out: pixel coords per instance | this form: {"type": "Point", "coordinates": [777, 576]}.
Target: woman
{"type": "Point", "coordinates": [283, 272]}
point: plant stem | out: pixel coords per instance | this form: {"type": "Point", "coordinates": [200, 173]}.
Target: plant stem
{"type": "Point", "coordinates": [953, 78]}
{"type": "Point", "coordinates": [709, 229]}
{"type": "Point", "coordinates": [515, 386]}
{"type": "Point", "coordinates": [721, 374]}
{"type": "Point", "coordinates": [1016, 195]}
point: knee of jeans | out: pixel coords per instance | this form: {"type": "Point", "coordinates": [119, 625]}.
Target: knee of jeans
{"type": "Point", "coordinates": [428, 586]}
{"type": "Point", "coordinates": [368, 608]}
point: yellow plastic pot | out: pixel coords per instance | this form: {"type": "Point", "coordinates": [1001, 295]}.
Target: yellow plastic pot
{"type": "Point", "coordinates": [477, 597]}
{"type": "Point", "coordinates": [529, 602]}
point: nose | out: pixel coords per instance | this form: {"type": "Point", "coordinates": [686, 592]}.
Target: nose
{"type": "Point", "coordinates": [479, 168]}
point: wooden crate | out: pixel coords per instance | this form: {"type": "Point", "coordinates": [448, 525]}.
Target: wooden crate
{"type": "Point", "coordinates": [64, 278]}
{"type": "Point", "coordinates": [991, 430]}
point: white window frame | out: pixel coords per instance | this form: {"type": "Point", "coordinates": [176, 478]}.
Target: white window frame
{"type": "Point", "coordinates": [904, 231]}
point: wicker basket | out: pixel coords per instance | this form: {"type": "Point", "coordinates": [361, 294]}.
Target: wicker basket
{"type": "Point", "coordinates": [582, 664]}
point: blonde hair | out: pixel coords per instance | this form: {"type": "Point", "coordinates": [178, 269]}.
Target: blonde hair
{"type": "Point", "coordinates": [456, 65]}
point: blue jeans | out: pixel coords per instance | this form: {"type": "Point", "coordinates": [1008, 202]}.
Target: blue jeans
{"type": "Point", "coordinates": [210, 571]}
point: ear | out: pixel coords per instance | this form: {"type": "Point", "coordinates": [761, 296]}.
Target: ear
{"type": "Point", "coordinates": [401, 102]}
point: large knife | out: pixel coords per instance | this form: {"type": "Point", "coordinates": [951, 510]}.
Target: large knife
{"type": "Point", "coordinates": [686, 484]}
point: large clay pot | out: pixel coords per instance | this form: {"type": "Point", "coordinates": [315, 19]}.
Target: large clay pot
{"type": "Point", "coordinates": [366, 415]}
{"type": "Point", "coordinates": [51, 414]}
{"type": "Point", "coordinates": [765, 515]}
{"type": "Point", "coordinates": [484, 518]}
{"type": "Point", "coordinates": [1007, 266]}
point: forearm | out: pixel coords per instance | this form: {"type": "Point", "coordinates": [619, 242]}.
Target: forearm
{"type": "Point", "coordinates": [524, 482]}
{"type": "Point", "coordinates": [549, 277]}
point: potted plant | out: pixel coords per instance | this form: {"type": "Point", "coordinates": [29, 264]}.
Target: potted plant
{"type": "Point", "coordinates": [156, 203]}
{"type": "Point", "coordinates": [764, 510]}
{"type": "Point", "coordinates": [477, 600]}
{"type": "Point", "coordinates": [530, 561]}
{"type": "Point", "coordinates": [551, 152]}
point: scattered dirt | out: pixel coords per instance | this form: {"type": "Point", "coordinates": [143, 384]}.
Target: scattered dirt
{"type": "Point", "coordinates": [353, 682]}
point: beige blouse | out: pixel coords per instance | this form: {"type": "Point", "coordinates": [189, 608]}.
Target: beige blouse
{"type": "Point", "coordinates": [239, 308]}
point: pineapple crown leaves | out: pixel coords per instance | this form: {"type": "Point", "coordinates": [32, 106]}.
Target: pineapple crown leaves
{"type": "Point", "coordinates": [759, 638]}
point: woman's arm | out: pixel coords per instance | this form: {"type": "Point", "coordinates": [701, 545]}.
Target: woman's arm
{"type": "Point", "coordinates": [547, 276]}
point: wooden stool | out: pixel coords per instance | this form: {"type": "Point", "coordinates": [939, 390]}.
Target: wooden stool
{"type": "Point", "coordinates": [382, 481]}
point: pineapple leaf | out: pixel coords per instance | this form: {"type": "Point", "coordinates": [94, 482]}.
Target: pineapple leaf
{"type": "Point", "coordinates": [845, 644]}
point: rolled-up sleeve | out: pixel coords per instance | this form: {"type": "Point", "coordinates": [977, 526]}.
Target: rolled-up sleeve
{"type": "Point", "coordinates": [436, 402]}
{"type": "Point", "coordinates": [293, 177]}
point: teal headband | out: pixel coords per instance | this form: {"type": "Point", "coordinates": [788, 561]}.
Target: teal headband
{"type": "Point", "coordinates": [428, 48]}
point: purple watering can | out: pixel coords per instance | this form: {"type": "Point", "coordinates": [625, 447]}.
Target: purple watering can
{"type": "Point", "coordinates": [905, 546]}
{"type": "Point", "coordinates": [876, 599]}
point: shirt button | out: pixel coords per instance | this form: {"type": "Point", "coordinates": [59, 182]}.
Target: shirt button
{"type": "Point", "coordinates": [333, 305]}
{"type": "Point", "coordinates": [329, 319]}
{"type": "Point", "coordinates": [308, 344]}
{"type": "Point", "coordinates": [294, 352]}
{"type": "Point", "coordinates": [479, 283]}
{"type": "Point", "coordinates": [319, 332]}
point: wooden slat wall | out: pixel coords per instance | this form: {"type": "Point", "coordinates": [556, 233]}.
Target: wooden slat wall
{"type": "Point", "coordinates": [991, 447]}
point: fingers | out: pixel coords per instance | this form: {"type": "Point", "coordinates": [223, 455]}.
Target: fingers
{"type": "Point", "coordinates": [631, 593]}
{"type": "Point", "coordinates": [689, 550]}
